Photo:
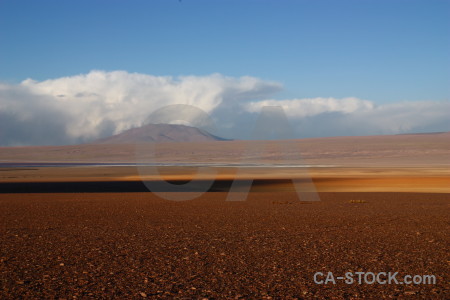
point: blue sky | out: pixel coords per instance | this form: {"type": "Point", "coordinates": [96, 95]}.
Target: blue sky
{"type": "Point", "coordinates": [347, 67]}
{"type": "Point", "coordinates": [378, 50]}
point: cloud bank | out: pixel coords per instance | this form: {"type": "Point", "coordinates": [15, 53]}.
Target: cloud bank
{"type": "Point", "coordinates": [85, 107]}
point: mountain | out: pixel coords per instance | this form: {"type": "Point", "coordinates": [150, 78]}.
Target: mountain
{"type": "Point", "coordinates": [160, 133]}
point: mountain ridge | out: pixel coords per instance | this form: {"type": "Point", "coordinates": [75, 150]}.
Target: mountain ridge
{"type": "Point", "coordinates": [160, 133]}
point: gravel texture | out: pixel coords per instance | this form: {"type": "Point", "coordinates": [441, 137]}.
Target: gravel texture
{"type": "Point", "coordinates": [136, 245]}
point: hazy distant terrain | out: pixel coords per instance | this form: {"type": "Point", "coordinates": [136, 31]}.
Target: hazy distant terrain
{"type": "Point", "coordinates": [194, 146]}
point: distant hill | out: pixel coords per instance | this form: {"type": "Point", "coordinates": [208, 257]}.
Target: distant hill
{"type": "Point", "coordinates": [160, 133]}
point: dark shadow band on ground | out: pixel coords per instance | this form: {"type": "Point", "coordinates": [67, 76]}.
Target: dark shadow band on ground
{"type": "Point", "coordinates": [139, 186]}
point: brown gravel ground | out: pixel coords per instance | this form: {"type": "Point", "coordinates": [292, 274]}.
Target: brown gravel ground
{"type": "Point", "coordinates": [135, 245]}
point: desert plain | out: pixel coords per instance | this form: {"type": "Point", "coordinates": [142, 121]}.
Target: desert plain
{"type": "Point", "coordinates": [77, 221]}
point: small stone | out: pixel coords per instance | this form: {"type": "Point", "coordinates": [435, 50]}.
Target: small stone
{"type": "Point", "coordinates": [143, 295]}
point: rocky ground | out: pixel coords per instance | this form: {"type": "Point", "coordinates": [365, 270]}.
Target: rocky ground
{"type": "Point", "coordinates": [135, 245]}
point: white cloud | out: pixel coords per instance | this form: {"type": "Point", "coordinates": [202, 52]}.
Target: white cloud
{"type": "Point", "coordinates": [101, 103]}
{"type": "Point", "coordinates": [29, 119]}
{"type": "Point", "coordinates": [353, 116]}
{"type": "Point", "coordinates": [85, 107]}
{"type": "Point", "coordinates": [407, 117]}
{"type": "Point", "coordinates": [313, 106]}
